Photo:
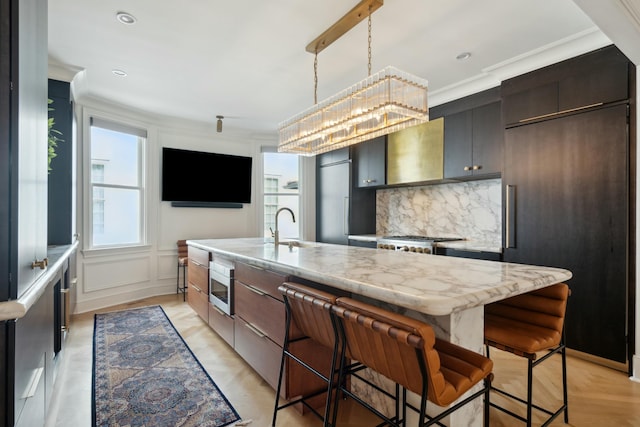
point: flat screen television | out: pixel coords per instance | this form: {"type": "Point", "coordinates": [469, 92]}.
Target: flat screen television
{"type": "Point", "coordinates": [196, 178]}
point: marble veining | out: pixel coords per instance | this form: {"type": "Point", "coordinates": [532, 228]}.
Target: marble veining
{"type": "Point", "coordinates": [429, 284]}
{"type": "Point", "coordinates": [472, 210]}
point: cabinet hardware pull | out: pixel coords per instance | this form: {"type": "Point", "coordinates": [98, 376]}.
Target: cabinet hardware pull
{"type": "Point", "coordinates": [64, 291]}
{"type": "Point", "coordinates": [467, 168]}
{"type": "Point", "coordinates": [368, 181]}
{"type": "Point", "coordinates": [198, 264]}
{"type": "Point", "coordinates": [74, 281]}
{"type": "Point", "coordinates": [40, 263]}
{"type": "Point", "coordinates": [256, 290]}
{"type": "Point", "coordinates": [35, 380]}
{"type": "Point", "coordinates": [196, 288]}
{"type": "Point", "coordinates": [219, 310]}
{"type": "Point", "coordinates": [254, 267]}
{"type": "Point", "coordinates": [510, 215]}
{"type": "Point", "coordinates": [255, 330]}
{"type": "Point", "coordinates": [477, 167]}
{"type": "Point", "coordinates": [570, 110]}
{"type": "Point", "coordinates": [345, 220]}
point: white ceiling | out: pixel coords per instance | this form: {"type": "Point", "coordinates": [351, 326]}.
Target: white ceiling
{"type": "Point", "coordinates": [246, 59]}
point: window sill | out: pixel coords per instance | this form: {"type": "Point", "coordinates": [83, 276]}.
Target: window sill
{"type": "Point", "coordinates": [119, 250]}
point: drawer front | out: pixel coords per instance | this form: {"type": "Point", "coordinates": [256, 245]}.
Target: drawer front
{"type": "Point", "coordinates": [199, 256]}
{"type": "Point", "coordinates": [199, 301]}
{"type": "Point", "coordinates": [198, 275]}
{"type": "Point", "coordinates": [261, 310]}
{"type": "Point", "coordinates": [299, 381]}
{"type": "Point", "coordinates": [259, 351]}
{"type": "Point", "coordinates": [264, 280]}
{"type": "Point", "coordinates": [222, 324]}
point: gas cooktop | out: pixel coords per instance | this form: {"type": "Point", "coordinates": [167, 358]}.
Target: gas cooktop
{"type": "Point", "coordinates": [415, 238]}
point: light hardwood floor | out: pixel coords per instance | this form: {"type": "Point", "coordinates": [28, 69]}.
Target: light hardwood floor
{"type": "Point", "coordinates": [598, 396]}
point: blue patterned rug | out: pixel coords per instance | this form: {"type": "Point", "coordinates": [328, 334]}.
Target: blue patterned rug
{"type": "Point", "coordinates": [145, 375]}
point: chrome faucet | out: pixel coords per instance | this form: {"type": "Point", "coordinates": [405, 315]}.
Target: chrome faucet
{"type": "Point", "coordinates": [276, 233]}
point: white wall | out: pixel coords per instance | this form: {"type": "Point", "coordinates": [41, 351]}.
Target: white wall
{"type": "Point", "coordinates": [113, 276]}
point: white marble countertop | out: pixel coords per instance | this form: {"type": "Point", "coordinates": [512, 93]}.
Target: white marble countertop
{"type": "Point", "coordinates": [431, 284]}
{"type": "Point", "coordinates": [18, 308]}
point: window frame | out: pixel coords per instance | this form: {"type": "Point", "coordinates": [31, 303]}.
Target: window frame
{"type": "Point", "coordinates": [121, 125]}
{"type": "Point", "coordinates": [300, 214]}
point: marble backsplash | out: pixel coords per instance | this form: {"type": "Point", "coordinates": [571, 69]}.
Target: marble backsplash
{"type": "Point", "coordinates": [472, 210]}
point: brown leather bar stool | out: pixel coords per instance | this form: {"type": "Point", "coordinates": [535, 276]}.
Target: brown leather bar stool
{"type": "Point", "coordinates": [310, 311]}
{"type": "Point", "coordinates": [183, 261]}
{"type": "Point", "coordinates": [526, 325]}
{"type": "Point", "coordinates": [406, 351]}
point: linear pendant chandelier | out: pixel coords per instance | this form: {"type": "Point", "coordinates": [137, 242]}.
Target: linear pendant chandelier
{"type": "Point", "coordinates": [385, 102]}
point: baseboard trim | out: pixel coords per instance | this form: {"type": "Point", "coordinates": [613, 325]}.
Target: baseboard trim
{"type": "Point", "coordinates": [624, 367]}
{"type": "Point", "coordinates": [636, 369]}
{"type": "Point", "coordinates": [123, 298]}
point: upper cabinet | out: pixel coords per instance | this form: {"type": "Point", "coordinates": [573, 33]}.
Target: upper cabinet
{"type": "Point", "coordinates": [473, 136]}
{"type": "Point", "coordinates": [370, 162]}
{"type": "Point", "coordinates": [598, 77]}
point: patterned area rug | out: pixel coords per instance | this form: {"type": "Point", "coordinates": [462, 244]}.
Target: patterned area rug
{"type": "Point", "coordinates": [145, 375]}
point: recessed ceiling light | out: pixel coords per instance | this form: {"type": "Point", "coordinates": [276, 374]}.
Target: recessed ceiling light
{"type": "Point", "coordinates": [119, 73]}
{"type": "Point", "coordinates": [463, 56]}
{"type": "Point", "coordinates": [126, 18]}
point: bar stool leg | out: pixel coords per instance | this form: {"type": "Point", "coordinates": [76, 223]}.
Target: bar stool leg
{"type": "Point", "coordinates": [564, 385]}
{"type": "Point", "coordinates": [529, 392]}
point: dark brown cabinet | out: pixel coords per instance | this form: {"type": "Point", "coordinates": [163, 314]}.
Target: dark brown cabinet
{"type": "Point", "coordinates": [473, 136]}
{"type": "Point", "coordinates": [566, 200]}
{"type": "Point", "coordinates": [370, 162]}
{"type": "Point", "coordinates": [341, 207]}
{"type": "Point", "coordinates": [598, 77]}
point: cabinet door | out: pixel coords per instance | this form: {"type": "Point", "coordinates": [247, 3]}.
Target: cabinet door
{"type": "Point", "coordinates": [370, 159]}
{"type": "Point", "coordinates": [488, 139]}
{"type": "Point", "coordinates": [333, 203]}
{"type": "Point", "coordinates": [457, 144]}
{"type": "Point", "coordinates": [30, 142]}
{"type": "Point", "coordinates": [567, 186]}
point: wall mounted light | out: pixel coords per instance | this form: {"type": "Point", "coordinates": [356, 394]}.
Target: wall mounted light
{"type": "Point", "coordinates": [219, 123]}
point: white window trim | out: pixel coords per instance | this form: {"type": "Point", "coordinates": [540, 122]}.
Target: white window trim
{"type": "Point", "coordinates": [306, 198]}
{"type": "Point", "coordinates": [144, 171]}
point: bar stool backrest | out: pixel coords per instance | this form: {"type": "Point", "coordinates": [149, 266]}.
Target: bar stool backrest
{"type": "Point", "coordinates": [310, 311]}
{"type": "Point", "coordinates": [543, 309]}
{"type": "Point", "coordinates": [392, 345]}
{"type": "Point", "coordinates": [183, 252]}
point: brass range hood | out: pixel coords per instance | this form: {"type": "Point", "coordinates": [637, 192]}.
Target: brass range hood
{"type": "Point", "coordinates": [416, 154]}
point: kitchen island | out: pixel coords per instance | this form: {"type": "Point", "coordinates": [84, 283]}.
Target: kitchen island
{"type": "Point", "coordinates": [446, 292]}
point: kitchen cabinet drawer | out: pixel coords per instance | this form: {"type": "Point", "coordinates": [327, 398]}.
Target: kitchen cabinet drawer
{"type": "Point", "coordinates": [258, 351]}
{"type": "Point", "coordinates": [199, 256]}
{"type": "Point", "coordinates": [260, 279]}
{"type": "Point", "coordinates": [223, 324]}
{"type": "Point", "coordinates": [263, 311]}
{"type": "Point", "coordinates": [264, 357]}
{"type": "Point", "coordinates": [198, 275]}
{"type": "Point", "coordinates": [198, 299]}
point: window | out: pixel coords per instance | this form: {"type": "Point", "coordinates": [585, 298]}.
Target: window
{"type": "Point", "coordinates": [116, 184]}
{"type": "Point", "coordinates": [281, 190]}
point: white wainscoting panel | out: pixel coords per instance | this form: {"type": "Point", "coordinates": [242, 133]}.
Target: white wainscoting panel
{"type": "Point", "coordinates": [105, 274]}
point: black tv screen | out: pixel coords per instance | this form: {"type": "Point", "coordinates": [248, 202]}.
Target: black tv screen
{"type": "Point", "coordinates": [196, 176]}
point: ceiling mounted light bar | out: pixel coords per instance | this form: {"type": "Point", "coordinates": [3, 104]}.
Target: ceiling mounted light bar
{"type": "Point", "coordinates": [352, 18]}
{"type": "Point", "coordinates": [385, 102]}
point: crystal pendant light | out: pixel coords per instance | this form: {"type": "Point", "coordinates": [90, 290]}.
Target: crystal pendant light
{"type": "Point", "coordinates": [385, 102]}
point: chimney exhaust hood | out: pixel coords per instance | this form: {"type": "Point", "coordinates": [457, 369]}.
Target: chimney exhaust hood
{"type": "Point", "coordinates": [416, 154]}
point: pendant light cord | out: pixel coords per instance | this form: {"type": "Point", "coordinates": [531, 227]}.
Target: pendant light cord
{"type": "Point", "coordinates": [315, 79]}
{"type": "Point", "coordinates": [369, 43]}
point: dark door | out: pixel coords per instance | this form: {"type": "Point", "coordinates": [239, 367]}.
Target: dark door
{"type": "Point", "coordinates": [333, 203]}
{"type": "Point", "coordinates": [566, 197]}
